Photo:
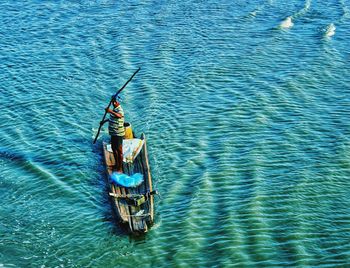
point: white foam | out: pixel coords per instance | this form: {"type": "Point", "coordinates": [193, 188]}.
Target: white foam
{"type": "Point", "coordinates": [253, 13]}
{"type": "Point", "coordinates": [330, 30]}
{"type": "Point", "coordinates": [287, 23]}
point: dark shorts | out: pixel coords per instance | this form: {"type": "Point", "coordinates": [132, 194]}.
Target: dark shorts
{"type": "Point", "coordinates": [117, 143]}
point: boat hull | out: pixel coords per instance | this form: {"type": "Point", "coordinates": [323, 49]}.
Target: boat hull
{"type": "Point", "coordinates": [134, 207]}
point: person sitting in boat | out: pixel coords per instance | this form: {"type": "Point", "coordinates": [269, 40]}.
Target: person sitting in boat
{"type": "Point", "coordinates": [117, 131]}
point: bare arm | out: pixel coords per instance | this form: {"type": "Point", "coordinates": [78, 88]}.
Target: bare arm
{"type": "Point", "coordinates": [114, 113]}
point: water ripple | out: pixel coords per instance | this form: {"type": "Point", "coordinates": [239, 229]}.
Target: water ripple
{"type": "Point", "coordinates": [247, 129]}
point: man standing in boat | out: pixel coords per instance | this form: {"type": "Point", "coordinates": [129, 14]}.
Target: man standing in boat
{"type": "Point", "coordinates": [117, 131]}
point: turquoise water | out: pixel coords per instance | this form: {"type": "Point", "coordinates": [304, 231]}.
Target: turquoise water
{"type": "Point", "coordinates": [247, 119]}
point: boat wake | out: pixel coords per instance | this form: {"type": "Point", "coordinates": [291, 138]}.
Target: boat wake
{"type": "Point", "coordinates": [304, 10]}
{"type": "Point", "coordinates": [345, 10]}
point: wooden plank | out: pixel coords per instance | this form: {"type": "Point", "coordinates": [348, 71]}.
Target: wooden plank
{"type": "Point", "coordinates": [109, 159]}
{"type": "Point", "coordinates": [125, 191]}
{"type": "Point", "coordinates": [142, 189]}
{"type": "Point", "coordinates": [119, 206]}
{"type": "Point", "coordinates": [148, 172]}
{"type": "Point", "coordinates": [141, 167]}
{"type": "Point", "coordinates": [138, 223]}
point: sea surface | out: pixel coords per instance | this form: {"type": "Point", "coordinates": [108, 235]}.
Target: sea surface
{"type": "Point", "coordinates": [246, 107]}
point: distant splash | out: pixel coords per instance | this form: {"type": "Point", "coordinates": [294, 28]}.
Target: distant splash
{"type": "Point", "coordinates": [287, 23]}
{"type": "Point", "coordinates": [253, 13]}
{"type": "Point", "coordinates": [330, 30]}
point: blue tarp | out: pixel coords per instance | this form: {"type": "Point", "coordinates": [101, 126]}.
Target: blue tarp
{"type": "Point", "coordinates": [126, 180]}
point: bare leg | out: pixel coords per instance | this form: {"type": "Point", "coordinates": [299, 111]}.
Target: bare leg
{"type": "Point", "coordinates": [120, 158]}
{"type": "Point", "coordinates": [114, 145]}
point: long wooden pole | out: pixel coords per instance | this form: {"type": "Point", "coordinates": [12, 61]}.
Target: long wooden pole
{"type": "Point", "coordinates": [110, 102]}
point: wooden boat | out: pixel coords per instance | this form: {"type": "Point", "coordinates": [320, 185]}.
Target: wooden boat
{"type": "Point", "coordinates": [134, 207]}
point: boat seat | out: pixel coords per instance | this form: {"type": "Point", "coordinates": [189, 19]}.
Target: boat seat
{"type": "Point", "coordinates": [133, 199]}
